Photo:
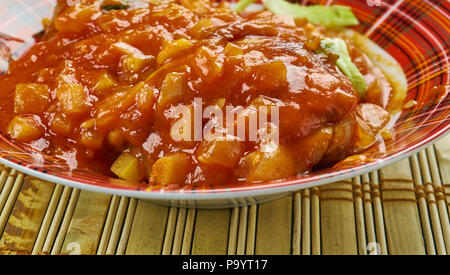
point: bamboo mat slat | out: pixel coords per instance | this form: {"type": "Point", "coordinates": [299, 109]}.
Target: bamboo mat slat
{"type": "Point", "coordinates": [148, 229]}
{"type": "Point", "coordinates": [86, 223]}
{"type": "Point", "coordinates": [273, 233]}
{"type": "Point", "coordinates": [211, 232]}
{"type": "Point", "coordinates": [338, 223]}
{"type": "Point", "coordinates": [23, 223]}
{"type": "Point", "coordinates": [401, 209]}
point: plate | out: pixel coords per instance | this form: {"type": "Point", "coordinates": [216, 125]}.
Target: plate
{"type": "Point", "coordinates": [415, 32]}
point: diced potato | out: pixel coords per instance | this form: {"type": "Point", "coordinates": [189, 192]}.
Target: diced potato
{"type": "Point", "coordinates": [127, 167]}
{"type": "Point", "coordinates": [313, 43]}
{"type": "Point", "coordinates": [199, 6]}
{"type": "Point", "coordinates": [110, 108]}
{"type": "Point", "coordinates": [133, 59]}
{"type": "Point", "coordinates": [90, 123]}
{"type": "Point", "coordinates": [386, 134]}
{"type": "Point", "coordinates": [205, 27]}
{"type": "Point", "coordinates": [31, 98]}
{"type": "Point", "coordinates": [145, 99]}
{"type": "Point", "coordinates": [126, 49]}
{"type": "Point", "coordinates": [172, 12]}
{"type": "Point", "coordinates": [25, 128]}
{"type": "Point", "coordinates": [173, 49]}
{"type": "Point", "coordinates": [61, 125]}
{"type": "Point", "coordinates": [91, 139]}
{"type": "Point", "coordinates": [199, 28]}
{"type": "Point", "coordinates": [206, 64]}
{"type": "Point", "coordinates": [104, 82]}
{"type": "Point", "coordinates": [310, 150]}
{"type": "Point", "coordinates": [273, 74]}
{"type": "Point", "coordinates": [115, 138]}
{"type": "Point", "coordinates": [66, 72]}
{"type": "Point", "coordinates": [273, 165]}
{"type": "Point", "coordinates": [133, 64]}
{"type": "Point", "coordinates": [45, 75]}
{"type": "Point", "coordinates": [172, 89]}
{"type": "Point", "coordinates": [73, 99]}
{"type": "Point", "coordinates": [300, 21]}
{"type": "Point", "coordinates": [75, 18]}
{"type": "Point", "coordinates": [364, 137]}
{"type": "Point", "coordinates": [233, 50]}
{"type": "Point", "coordinates": [246, 163]}
{"type": "Point", "coordinates": [340, 142]}
{"type": "Point", "coordinates": [172, 169]}
{"type": "Point", "coordinates": [221, 152]}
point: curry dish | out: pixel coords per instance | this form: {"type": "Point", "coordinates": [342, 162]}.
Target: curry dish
{"type": "Point", "coordinates": [98, 88]}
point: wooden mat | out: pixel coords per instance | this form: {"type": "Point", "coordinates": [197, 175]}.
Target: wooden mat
{"type": "Point", "coordinates": [401, 209]}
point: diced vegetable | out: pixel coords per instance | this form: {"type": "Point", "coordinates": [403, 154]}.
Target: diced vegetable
{"type": "Point", "coordinates": [115, 138]}
{"type": "Point", "coordinates": [207, 64]}
{"type": "Point", "coordinates": [172, 169]}
{"type": "Point", "coordinates": [341, 140]}
{"type": "Point", "coordinates": [364, 137]}
{"type": "Point", "coordinates": [73, 99]}
{"type": "Point", "coordinates": [61, 125]}
{"type": "Point", "coordinates": [270, 75]}
{"type": "Point", "coordinates": [233, 49]}
{"type": "Point", "coordinates": [90, 123]}
{"type": "Point", "coordinates": [127, 167]}
{"type": "Point", "coordinates": [91, 139]}
{"type": "Point", "coordinates": [116, 104]}
{"type": "Point", "coordinates": [173, 49]}
{"type": "Point", "coordinates": [25, 128]}
{"type": "Point", "coordinates": [133, 64]}
{"type": "Point", "coordinates": [31, 98]}
{"type": "Point", "coordinates": [145, 99]}
{"type": "Point", "coordinates": [199, 6]}
{"type": "Point", "coordinates": [104, 82]}
{"type": "Point", "coordinates": [273, 165]}
{"type": "Point", "coordinates": [133, 60]}
{"type": "Point", "coordinates": [327, 16]}
{"type": "Point", "coordinates": [205, 27]}
{"type": "Point", "coordinates": [337, 46]}
{"type": "Point", "coordinates": [310, 150]}
{"type": "Point", "coordinates": [172, 89]}
{"type": "Point", "coordinates": [386, 134]}
{"type": "Point", "coordinates": [221, 152]}
{"type": "Point", "coordinates": [76, 18]}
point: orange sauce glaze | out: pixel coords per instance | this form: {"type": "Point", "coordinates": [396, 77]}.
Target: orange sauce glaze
{"type": "Point", "coordinates": [212, 53]}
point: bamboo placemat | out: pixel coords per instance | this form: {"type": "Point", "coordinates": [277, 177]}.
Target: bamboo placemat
{"type": "Point", "coordinates": [401, 209]}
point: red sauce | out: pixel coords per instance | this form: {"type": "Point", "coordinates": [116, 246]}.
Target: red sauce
{"type": "Point", "coordinates": [101, 84]}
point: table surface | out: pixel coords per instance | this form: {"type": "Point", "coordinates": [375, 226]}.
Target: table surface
{"type": "Point", "coordinates": [401, 209]}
